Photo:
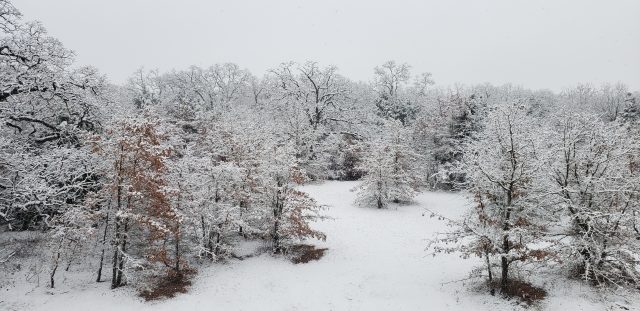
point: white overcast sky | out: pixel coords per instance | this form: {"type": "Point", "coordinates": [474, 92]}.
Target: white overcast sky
{"type": "Point", "coordinates": [536, 44]}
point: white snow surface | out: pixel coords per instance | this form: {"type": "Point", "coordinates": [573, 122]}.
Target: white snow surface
{"type": "Point", "coordinates": [376, 260]}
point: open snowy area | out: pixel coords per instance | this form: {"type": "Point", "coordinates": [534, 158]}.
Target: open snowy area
{"type": "Point", "coordinates": [375, 261]}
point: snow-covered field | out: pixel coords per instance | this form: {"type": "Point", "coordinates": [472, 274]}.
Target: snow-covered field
{"type": "Point", "coordinates": [376, 261]}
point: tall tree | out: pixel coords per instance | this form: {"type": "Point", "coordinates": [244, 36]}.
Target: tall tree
{"type": "Point", "coordinates": [503, 165]}
{"type": "Point", "coordinates": [138, 192]}
{"type": "Point", "coordinates": [395, 100]}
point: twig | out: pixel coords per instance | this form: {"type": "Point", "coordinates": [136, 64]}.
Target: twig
{"type": "Point", "coordinates": [7, 258]}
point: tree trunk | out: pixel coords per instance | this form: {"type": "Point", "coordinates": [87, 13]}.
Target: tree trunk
{"type": "Point", "coordinates": [178, 249]}
{"type": "Point", "coordinates": [243, 205]}
{"type": "Point", "coordinates": [277, 214]}
{"type": "Point", "coordinates": [123, 250]}
{"type": "Point", "coordinates": [504, 281]}
{"type": "Point", "coordinates": [116, 251]}
{"type": "Point", "coordinates": [104, 242]}
{"type": "Point", "coordinates": [53, 272]}
{"type": "Point", "coordinates": [276, 237]}
{"type": "Point", "coordinates": [116, 272]}
{"type": "Point", "coordinates": [210, 245]}
{"type": "Point", "coordinates": [55, 264]}
{"type": "Point", "coordinates": [486, 256]}
{"type": "Point", "coordinates": [218, 237]}
{"type": "Point", "coordinates": [71, 256]}
{"type": "Point", "coordinates": [205, 237]}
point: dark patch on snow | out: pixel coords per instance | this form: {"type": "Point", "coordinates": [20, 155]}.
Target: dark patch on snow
{"type": "Point", "coordinates": [522, 290]}
{"type": "Point", "coordinates": [304, 253]}
{"type": "Point", "coordinates": [169, 286]}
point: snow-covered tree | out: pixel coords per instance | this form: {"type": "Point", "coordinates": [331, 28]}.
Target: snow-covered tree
{"type": "Point", "coordinates": [47, 109]}
{"type": "Point", "coordinates": [308, 99]}
{"type": "Point", "coordinates": [596, 186]}
{"type": "Point", "coordinates": [394, 100]}
{"type": "Point", "coordinates": [289, 210]}
{"type": "Point", "coordinates": [212, 208]}
{"type": "Point", "coordinates": [139, 197]}
{"type": "Point", "coordinates": [459, 117]}
{"type": "Point", "coordinates": [391, 173]}
{"type": "Point", "coordinates": [503, 166]}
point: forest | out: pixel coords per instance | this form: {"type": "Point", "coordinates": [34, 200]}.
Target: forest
{"type": "Point", "coordinates": [154, 179]}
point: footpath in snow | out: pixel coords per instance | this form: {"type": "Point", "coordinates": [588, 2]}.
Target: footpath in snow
{"type": "Point", "coordinates": [376, 260]}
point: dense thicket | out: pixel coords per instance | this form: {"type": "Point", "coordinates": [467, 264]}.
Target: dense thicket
{"type": "Point", "coordinates": [554, 180]}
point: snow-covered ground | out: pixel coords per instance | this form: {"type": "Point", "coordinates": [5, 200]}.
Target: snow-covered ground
{"type": "Point", "coordinates": [375, 261]}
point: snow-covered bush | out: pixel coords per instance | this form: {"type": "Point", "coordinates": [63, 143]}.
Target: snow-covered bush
{"type": "Point", "coordinates": [391, 173]}
{"type": "Point", "coordinates": [595, 188]}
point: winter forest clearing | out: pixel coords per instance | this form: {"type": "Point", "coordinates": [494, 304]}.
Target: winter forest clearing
{"type": "Point", "coordinates": [213, 187]}
{"type": "Point", "coordinates": [372, 263]}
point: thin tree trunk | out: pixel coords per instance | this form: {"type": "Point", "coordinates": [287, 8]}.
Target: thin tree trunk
{"type": "Point", "coordinates": [123, 250]}
{"type": "Point", "coordinates": [205, 236]}
{"type": "Point", "coordinates": [277, 212]}
{"type": "Point", "coordinates": [104, 242]}
{"type": "Point", "coordinates": [71, 256]}
{"type": "Point", "coordinates": [218, 237]}
{"type": "Point", "coordinates": [505, 249]}
{"type": "Point", "coordinates": [55, 265]}
{"type": "Point", "coordinates": [116, 251]}
{"type": "Point", "coordinates": [491, 289]}
{"type": "Point", "coordinates": [210, 245]}
{"type": "Point", "coordinates": [117, 256]}
{"type": "Point", "coordinates": [53, 272]}
{"type": "Point", "coordinates": [178, 249]}
{"type": "Point", "coordinates": [504, 281]}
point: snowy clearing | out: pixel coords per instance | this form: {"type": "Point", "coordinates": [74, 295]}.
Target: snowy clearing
{"type": "Point", "coordinates": [376, 261]}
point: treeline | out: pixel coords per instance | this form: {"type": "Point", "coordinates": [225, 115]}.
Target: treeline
{"type": "Point", "coordinates": [153, 176]}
